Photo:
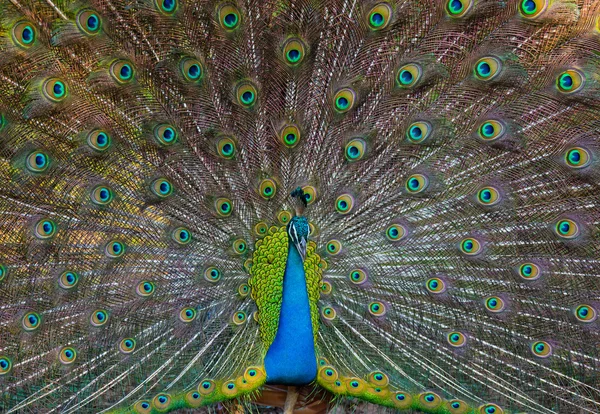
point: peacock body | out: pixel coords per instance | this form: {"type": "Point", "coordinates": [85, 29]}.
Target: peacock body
{"type": "Point", "coordinates": [391, 201]}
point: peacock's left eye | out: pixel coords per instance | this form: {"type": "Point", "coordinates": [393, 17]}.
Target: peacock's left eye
{"type": "Point", "coordinates": [167, 7]}
{"type": "Point", "coordinates": [114, 249]}
{"type": "Point", "coordinates": [98, 140]}
{"type": "Point", "coordinates": [487, 68]}
{"type": "Point", "coordinates": [377, 308]}
{"type": "Point", "coordinates": [161, 401]}
{"type": "Point", "coordinates": [435, 285]}
{"type": "Point", "coordinates": [490, 408]}
{"type": "Point", "coordinates": [45, 229]}
{"type": "Point", "coordinates": [88, 22]}
{"type": "Point", "coordinates": [54, 90]}
{"type": "Point", "coordinates": [165, 134]}
{"type": "Point", "coordinates": [5, 365]}
{"type": "Point", "coordinates": [577, 157]}
{"type": "Point", "coordinates": [495, 304]}
{"type": "Point", "coordinates": [585, 313]}
{"type": "Point", "coordinates": [267, 189]}
{"type": "Point", "coordinates": [344, 204]}
{"type": "Point", "coordinates": [333, 247]}
{"type": "Point", "coordinates": [122, 71]}
{"type": "Point", "coordinates": [240, 246]}
{"type": "Point", "coordinates": [67, 355]}
{"type": "Point", "coordinates": [191, 69]}
{"type": "Point", "coordinates": [456, 339]}
{"type": "Point", "coordinates": [99, 317]}
{"type": "Point", "coordinates": [226, 147]}
{"type": "Point", "coordinates": [458, 8]}
{"type": "Point", "coordinates": [37, 161]}
{"type": "Point", "coordinates": [31, 321]}
{"type": "Point", "coordinates": [566, 229]}
{"type": "Point", "coordinates": [293, 51]}
{"type": "Point", "coordinates": [127, 345]}
{"type": "Point", "coordinates": [229, 17]}
{"type": "Point", "coordinates": [344, 100]}
{"type": "Point", "coordinates": [355, 149]}
{"type": "Point", "coordinates": [162, 187]}
{"type": "Point", "coordinates": [223, 207]}
{"type": "Point", "coordinates": [418, 132]}
{"type": "Point", "coordinates": [212, 274]}
{"type": "Point", "coordinates": [239, 317]}
{"type": "Point", "coordinates": [246, 94]}
{"type": "Point", "coordinates": [488, 196]}
{"type": "Point", "coordinates": [570, 81]}
{"type": "Point", "coordinates": [101, 195]}
{"type": "Point", "coordinates": [541, 349]}
{"type": "Point", "coordinates": [24, 34]}
{"type": "Point", "coordinates": [68, 280]}
{"type": "Point", "coordinates": [491, 130]}
{"type": "Point", "coordinates": [416, 183]}
{"type": "Point", "coordinates": [328, 313]}
{"type": "Point", "coordinates": [187, 314]}
{"type": "Point", "coordinates": [379, 16]}
{"type": "Point", "coordinates": [532, 8]}
{"type": "Point", "coordinates": [181, 235]}
{"type": "Point", "coordinates": [470, 246]}
{"type": "Point", "coordinates": [408, 75]}
{"type": "Point", "coordinates": [145, 288]}
{"type": "Point", "coordinates": [430, 399]}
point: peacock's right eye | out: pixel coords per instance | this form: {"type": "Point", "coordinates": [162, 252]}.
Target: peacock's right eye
{"type": "Point", "coordinates": [229, 17]}
{"type": "Point", "coordinates": [98, 140]}
{"type": "Point", "coordinates": [165, 134]}
{"type": "Point", "coordinates": [344, 100]}
{"type": "Point", "coordinates": [24, 34]}
{"type": "Point", "coordinates": [88, 22]}
{"type": "Point", "coordinates": [532, 8]}
{"type": "Point", "coordinates": [418, 132]}
{"type": "Point", "coordinates": [491, 130]}
{"type": "Point", "coordinates": [122, 71]}
{"type": "Point", "coordinates": [408, 75]}
{"type": "Point", "coordinates": [458, 8]}
{"type": "Point", "coordinates": [379, 16]}
{"type": "Point", "coordinates": [577, 157]}
{"type": "Point", "coordinates": [487, 68]}
{"type": "Point", "coordinates": [162, 187]}
{"type": "Point", "coordinates": [37, 161]}
{"type": "Point", "coordinates": [101, 195]}
{"type": "Point", "coordinates": [127, 345]}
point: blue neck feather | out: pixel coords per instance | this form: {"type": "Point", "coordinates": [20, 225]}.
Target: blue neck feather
{"type": "Point", "coordinates": [291, 358]}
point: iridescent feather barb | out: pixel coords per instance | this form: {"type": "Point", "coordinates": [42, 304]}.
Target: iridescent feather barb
{"type": "Point", "coordinates": [393, 202]}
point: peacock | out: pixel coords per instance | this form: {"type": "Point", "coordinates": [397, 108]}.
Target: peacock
{"type": "Point", "coordinates": [382, 202]}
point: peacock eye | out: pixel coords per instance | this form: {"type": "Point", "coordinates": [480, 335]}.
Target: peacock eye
{"type": "Point", "coordinates": [114, 249]}
{"type": "Point", "coordinates": [212, 274]}
{"type": "Point", "coordinates": [355, 149]}
{"type": "Point", "coordinates": [435, 285]}
{"type": "Point", "coordinates": [470, 246]}
{"type": "Point", "coordinates": [24, 34]}
{"type": "Point", "coordinates": [378, 18]}
{"type": "Point", "coordinates": [5, 365]}
{"type": "Point", "coordinates": [122, 71]}
{"type": "Point", "coordinates": [161, 401]}
{"type": "Point", "coordinates": [290, 136]}
{"type": "Point", "coordinates": [585, 313]}
{"type": "Point", "coordinates": [88, 22]}
{"type": "Point", "coordinates": [377, 308]}
{"type": "Point", "coordinates": [3, 272]}
{"type": "Point", "coordinates": [358, 276]}
{"type": "Point", "coordinates": [487, 68]}
{"type": "Point", "coordinates": [458, 8]}
{"type": "Point", "coordinates": [167, 7]}
{"type": "Point", "coordinates": [223, 207]}
{"type": "Point", "coordinates": [408, 75]}
{"type": "Point", "coordinates": [193, 399]}
{"type": "Point", "coordinates": [99, 317]}
{"type": "Point", "coordinates": [456, 339]}
{"type": "Point", "coordinates": [344, 204]}
{"type": "Point", "coordinates": [490, 408]}
{"type": "Point", "coordinates": [310, 194]}
{"type": "Point", "coordinates": [165, 134]}
{"type": "Point", "coordinates": [37, 161]}
{"type": "Point", "coordinates": [98, 140]}
{"type": "Point", "coordinates": [68, 280]}
{"type": "Point", "coordinates": [379, 378]}
{"type": "Point", "coordinates": [45, 229]}
{"type": "Point", "coordinates": [293, 51]}
{"type": "Point", "coordinates": [261, 228]}
{"type": "Point", "coordinates": [246, 94]}
{"type": "Point", "coordinates": [145, 288]}
{"type": "Point", "coordinates": [54, 89]}
{"type": "Point", "coordinates": [127, 345]}
{"type": "Point", "coordinates": [344, 100]}
{"type": "Point", "coordinates": [532, 8]}
{"type": "Point", "coordinates": [495, 304]}
{"type": "Point", "coordinates": [333, 247]}
{"type": "Point", "coordinates": [142, 407]}
{"type": "Point", "coordinates": [253, 374]}
{"type": "Point", "coordinates": [161, 187]}
{"type": "Point", "coordinates": [101, 195]}
{"type": "Point", "coordinates": [328, 313]}
{"type": "Point", "coordinates": [577, 157]}
{"type": "Point", "coordinates": [229, 17]}
{"type": "Point", "coordinates": [226, 147]}
{"type": "Point", "coordinates": [31, 321]}
{"type": "Point", "coordinates": [430, 399]}
{"type": "Point", "coordinates": [239, 317]}
{"type": "Point", "coordinates": [181, 235]}
{"type": "Point", "coordinates": [529, 271]}
{"type": "Point", "coordinates": [566, 229]}
{"type": "Point", "coordinates": [488, 196]}
{"type": "Point", "coordinates": [187, 314]}
{"type": "Point", "coordinates": [416, 183]}
{"type": "Point", "coordinates": [267, 189]}
{"type": "Point", "coordinates": [418, 132]}
{"type": "Point", "coordinates": [570, 81]}
{"type": "Point", "coordinates": [67, 355]}
{"type": "Point", "coordinates": [240, 246]}
{"type": "Point", "coordinates": [326, 288]}
{"type": "Point", "coordinates": [541, 349]}
{"type": "Point", "coordinates": [395, 232]}
{"type": "Point", "coordinates": [243, 290]}
{"type": "Point", "coordinates": [191, 69]}
{"type": "Point", "coordinates": [491, 130]}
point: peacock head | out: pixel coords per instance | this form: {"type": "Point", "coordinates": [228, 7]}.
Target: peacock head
{"type": "Point", "coordinates": [297, 228]}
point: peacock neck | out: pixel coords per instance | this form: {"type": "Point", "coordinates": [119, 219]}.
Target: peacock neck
{"type": "Point", "coordinates": [291, 359]}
